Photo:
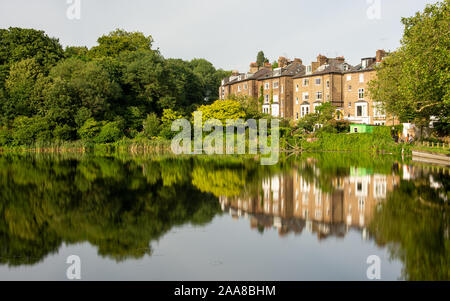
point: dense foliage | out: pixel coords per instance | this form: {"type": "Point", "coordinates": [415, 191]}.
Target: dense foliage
{"type": "Point", "coordinates": [101, 94]}
{"type": "Point", "coordinates": [414, 82]}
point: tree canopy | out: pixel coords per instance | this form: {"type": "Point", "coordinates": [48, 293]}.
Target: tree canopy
{"type": "Point", "coordinates": [114, 86]}
{"type": "Point", "coordinates": [414, 82]}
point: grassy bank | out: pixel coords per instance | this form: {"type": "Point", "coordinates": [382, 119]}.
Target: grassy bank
{"type": "Point", "coordinates": [380, 141]}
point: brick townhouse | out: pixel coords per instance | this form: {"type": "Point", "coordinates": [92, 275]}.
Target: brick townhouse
{"type": "Point", "coordinates": [276, 88]}
{"type": "Point", "coordinates": [243, 84]}
{"type": "Point", "coordinates": [293, 90]}
{"type": "Point", "coordinates": [358, 107]}
{"type": "Point", "coordinates": [320, 82]}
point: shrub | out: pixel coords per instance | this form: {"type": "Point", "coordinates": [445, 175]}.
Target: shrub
{"type": "Point", "coordinates": [64, 132]}
{"type": "Point", "coordinates": [90, 129]}
{"type": "Point", "coordinates": [5, 136]}
{"type": "Point", "coordinates": [26, 130]}
{"type": "Point", "coordinates": [151, 126]}
{"type": "Point", "coordinates": [110, 132]}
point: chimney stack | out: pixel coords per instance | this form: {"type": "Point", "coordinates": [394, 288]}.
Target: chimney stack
{"type": "Point", "coordinates": [297, 60]}
{"type": "Point", "coordinates": [254, 68]}
{"type": "Point", "coordinates": [322, 60]}
{"type": "Point", "coordinates": [380, 55]}
{"type": "Point", "coordinates": [282, 62]}
{"type": "Point", "coordinates": [235, 73]}
{"type": "Point", "coordinates": [340, 59]}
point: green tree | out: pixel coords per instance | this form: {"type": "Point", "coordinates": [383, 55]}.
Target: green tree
{"type": "Point", "coordinates": [261, 59]}
{"type": "Point", "coordinates": [414, 82]}
{"type": "Point", "coordinates": [151, 126]}
{"type": "Point", "coordinates": [21, 98]}
{"type": "Point", "coordinates": [17, 44]}
{"type": "Point", "coordinates": [222, 111]}
{"type": "Point", "coordinates": [120, 41]}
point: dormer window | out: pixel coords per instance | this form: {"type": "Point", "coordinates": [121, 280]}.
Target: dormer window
{"type": "Point", "coordinates": [308, 69]}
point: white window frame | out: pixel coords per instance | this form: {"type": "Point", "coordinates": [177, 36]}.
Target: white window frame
{"type": "Point", "coordinates": [361, 78]}
{"type": "Point", "coordinates": [318, 81]}
{"type": "Point", "coordinates": [364, 109]}
{"type": "Point", "coordinates": [304, 110]}
{"type": "Point", "coordinates": [319, 95]}
{"type": "Point", "coordinates": [305, 96]}
{"type": "Point", "coordinates": [349, 78]}
{"type": "Point", "coordinates": [296, 88]}
{"type": "Point", "coordinates": [361, 94]}
{"type": "Point", "coordinates": [275, 85]}
{"type": "Point", "coordinates": [266, 86]}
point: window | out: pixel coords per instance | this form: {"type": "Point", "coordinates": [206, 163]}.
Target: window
{"type": "Point", "coordinates": [349, 87]}
{"type": "Point", "coordinates": [245, 87]}
{"type": "Point", "coordinates": [361, 78]}
{"type": "Point", "coordinates": [318, 81]}
{"type": "Point", "coordinates": [282, 89]}
{"type": "Point", "coordinates": [296, 100]}
{"type": "Point", "coordinates": [239, 88]}
{"type": "Point", "coordinates": [349, 104]}
{"type": "Point", "coordinates": [266, 86]}
{"type": "Point", "coordinates": [275, 85]}
{"type": "Point", "coordinates": [328, 83]}
{"type": "Point", "coordinates": [305, 82]}
{"type": "Point", "coordinates": [328, 97]}
{"type": "Point", "coordinates": [319, 95]}
{"type": "Point", "coordinates": [349, 77]}
{"type": "Point", "coordinates": [267, 98]}
{"type": "Point", "coordinates": [305, 96]}
{"type": "Point", "coordinates": [275, 98]}
{"type": "Point", "coordinates": [361, 94]}
{"type": "Point", "coordinates": [305, 110]}
{"type": "Point", "coordinates": [309, 69]}
{"type": "Point", "coordinates": [297, 116]}
{"type": "Point", "coordinates": [361, 110]}
{"type": "Point", "coordinates": [296, 88]}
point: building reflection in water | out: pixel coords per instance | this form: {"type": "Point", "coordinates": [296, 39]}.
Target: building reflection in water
{"type": "Point", "coordinates": [292, 203]}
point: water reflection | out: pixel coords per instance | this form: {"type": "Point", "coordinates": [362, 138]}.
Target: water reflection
{"type": "Point", "coordinates": [293, 203]}
{"type": "Point", "coordinates": [121, 205]}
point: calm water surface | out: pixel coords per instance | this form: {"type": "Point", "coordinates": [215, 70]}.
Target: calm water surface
{"type": "Point", "coordinates": [315, 217]}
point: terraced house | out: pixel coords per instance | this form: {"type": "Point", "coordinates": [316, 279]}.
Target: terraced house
{"type": "Point", "coordinates": [243, 84]}
{"type": "Point", "coordinates": [276, 88]}
{"type": "Point", "coordinates": [358, 107]}
{"type": "Point", "coordinates": [320, 82]}
{"type": "Point", "coordinates": [293, 90]}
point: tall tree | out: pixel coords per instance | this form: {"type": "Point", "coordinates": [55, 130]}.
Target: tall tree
{"type": "Point", "coordinates": [414, 82]}
{"type": "Point", "coordinates": [119, 41]}
{"type": "Point", "coordinates": [261, 59]}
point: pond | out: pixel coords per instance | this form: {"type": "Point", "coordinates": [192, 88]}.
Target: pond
{"type": "Point", "coordinates": [312, 217]}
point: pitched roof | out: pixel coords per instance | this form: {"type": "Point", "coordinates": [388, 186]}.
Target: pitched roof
{"type": "Point", "coordinates": [359, 68]}
{"type": "Point", "coordinates": [291, 70]}
{"type": "Point", "coordinates": [254, 76]}
{"type": "Point", "coordinates": [333, 65]}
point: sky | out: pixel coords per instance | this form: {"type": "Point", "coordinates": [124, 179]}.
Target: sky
{"type": "Point", "coordinates": [228, 33]}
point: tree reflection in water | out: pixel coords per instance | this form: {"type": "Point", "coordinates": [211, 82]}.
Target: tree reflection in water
{"type": "Point", "coordinates": [120, 205]}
